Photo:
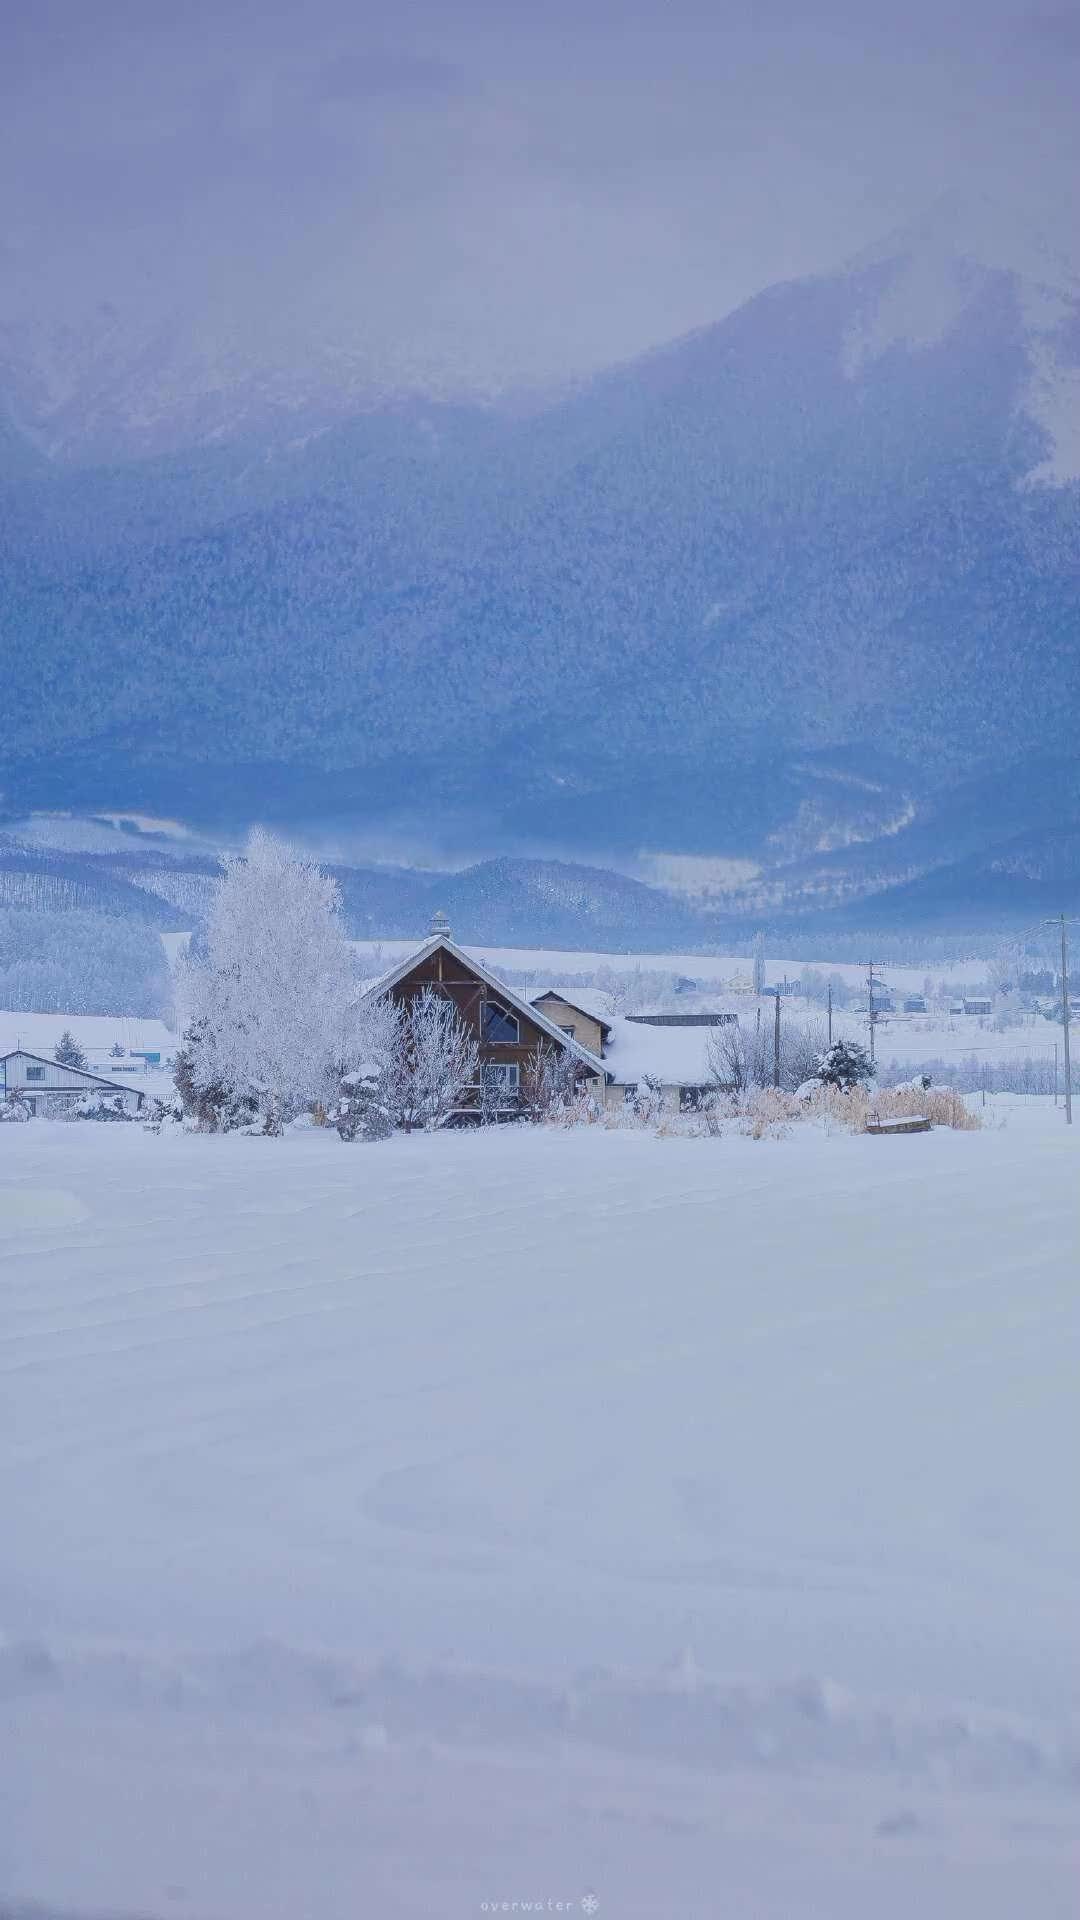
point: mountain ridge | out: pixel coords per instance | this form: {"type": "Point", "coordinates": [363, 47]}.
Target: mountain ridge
{"type": "Point", "coordinates": [662, 613]}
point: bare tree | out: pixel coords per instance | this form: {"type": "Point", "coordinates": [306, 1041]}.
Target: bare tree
{"type": "Point", "coordinates": [740, 1057]}
{"type": "Point", "coordinates": [549, 1083]}
{"type": "Point", "coordinates": [437, 1062]}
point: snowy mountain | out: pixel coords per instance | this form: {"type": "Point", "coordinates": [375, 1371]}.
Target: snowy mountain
{"type": "Point", "coordinates": [776, 594]}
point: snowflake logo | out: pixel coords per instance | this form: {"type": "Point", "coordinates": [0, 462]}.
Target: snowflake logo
{"type": "Point", "coordinates": [590, 1903]}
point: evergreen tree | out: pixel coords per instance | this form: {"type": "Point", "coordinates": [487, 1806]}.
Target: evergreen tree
{"type": "Point", "coordinates": [846, 1065]}
{"type": "Point", "coordinates": [68, 1052]}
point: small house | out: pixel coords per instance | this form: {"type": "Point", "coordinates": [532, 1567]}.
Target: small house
{"type": "Point", "coordinates": [979, 1004]}
{"type": "Point", "coordinates": [676, 1059]}
{"type": "Point", "coordinates": [583, 1013]}
{"type": "Point", "coordinates": [915, 1003]}
{"type": "Point", "coordinates": [46, 1087]}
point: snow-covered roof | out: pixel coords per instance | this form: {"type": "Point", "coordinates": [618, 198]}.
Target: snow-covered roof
{"type": "Point", "coordinates": [398, 972]}
{"type": "Point", "coordinates": [84, 1073]}
{"type": "Point", "coordinates": [593, 1002]}
{"type": "Point", "coordinates": [678, 1056]}
{"type": "Point", "coordinates": [96, 1033]}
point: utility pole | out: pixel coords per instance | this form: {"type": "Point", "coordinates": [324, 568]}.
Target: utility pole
{"type": "Point", "coordinates": [1059, 920]}
{"type": "Point", "coordinates": [1055, 1072]}
{"type": "Point", "coordinates": [870, 1008]}
{"type": "Point", "coordinates": [830, 1015]}
{"type": "Point", "coordinates": [776, 1043]}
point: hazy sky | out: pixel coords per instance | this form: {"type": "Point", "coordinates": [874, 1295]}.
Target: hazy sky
{"type": "Point", "coordinates": [504, 189]}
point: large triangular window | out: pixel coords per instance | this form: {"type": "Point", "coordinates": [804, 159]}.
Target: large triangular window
{"type": "Point", "coordinates": [501, 1027]}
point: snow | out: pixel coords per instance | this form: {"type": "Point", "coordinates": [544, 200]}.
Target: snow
{"type": "Point", "coordinates": [96, 1034]}
{"type": "Point", "coordinates": [679, 1056]}
{"type": "Point", "coordinates": [506, 1515]}
{"type": "Point", "coordinates": [553, 963]}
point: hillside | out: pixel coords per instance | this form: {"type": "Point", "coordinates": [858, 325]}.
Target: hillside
{"type": "Point", "coordinates": [763, 594]}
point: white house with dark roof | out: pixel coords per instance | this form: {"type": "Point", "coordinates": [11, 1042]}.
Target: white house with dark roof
{"type": "Point", "coordinates": [44, 1086]}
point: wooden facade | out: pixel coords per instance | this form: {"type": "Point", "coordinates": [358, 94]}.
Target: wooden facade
{"type": "Point", "coordinates": [508, 1032]}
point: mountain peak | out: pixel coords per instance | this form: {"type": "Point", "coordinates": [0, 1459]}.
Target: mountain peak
{"type": "Point", "coordinates": [980, 231]}
{"type": "Point", "coordinates": [935, 268]}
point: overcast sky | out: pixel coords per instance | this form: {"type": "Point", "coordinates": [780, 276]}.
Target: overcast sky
{"type": "Point", "coordinates": [515, 190]}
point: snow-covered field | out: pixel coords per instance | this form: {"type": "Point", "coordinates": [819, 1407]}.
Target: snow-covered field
{"type": "Point", "coordinates": [96, 1034]}
{"type": "Point", "coordinates": [685, 1524]}
{"type": "Point", "coordinates": [551, 965]}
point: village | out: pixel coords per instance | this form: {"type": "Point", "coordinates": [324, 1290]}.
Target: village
{"type": "Point", "coordinates": [644, 1034]}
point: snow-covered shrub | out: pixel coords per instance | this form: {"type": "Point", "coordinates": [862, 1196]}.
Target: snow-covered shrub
{"type": "Point", "coordinates": [647, 1102]}
{"type": "Point", "coordinates": [369, 1088]}
{"type": "Point", "coordinates": [12, 1108]}
{"type": "Point", "coordinates": [269, 1008]}
{"type": "Point", "coordinates": [100, 1106]}
{"type": "Point", "coordinates": [362, 1110]}
{"type": "Point", "coordinates": [845, 1065]}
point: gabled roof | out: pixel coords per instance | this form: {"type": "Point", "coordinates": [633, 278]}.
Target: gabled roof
{"type": "Point", "coordinates": [389, 980]}
{"type": "Point", "coordinates": [24, 1053]}
{"type": "Point", "coordinates": [583, 1000]}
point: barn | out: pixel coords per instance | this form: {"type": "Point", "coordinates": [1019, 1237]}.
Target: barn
{"type": "Point", "coordinates": [44, 1086]}
{"type": "Point", "coordinates": [508, 1031]}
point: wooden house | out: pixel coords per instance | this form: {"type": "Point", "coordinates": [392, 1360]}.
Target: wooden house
{"type": "Point", "coordinates": [508, 1031]}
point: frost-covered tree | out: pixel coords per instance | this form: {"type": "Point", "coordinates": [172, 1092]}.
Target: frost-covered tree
{"type": "Point", "coordinates": [437, 1062]}
{"type": "Point", "coordinates": [270, 1008]}
{"type": "Point", "coordinates": [549, 1083]}
{"type": "Point", "coordinates": [68, 1053]}
{"type": "Point", "coordinates": [370, 1082]}
{"type": "Point", "coordinates": [740, 1057]}
{"type": "Point", "coordinates": [846, 1065]}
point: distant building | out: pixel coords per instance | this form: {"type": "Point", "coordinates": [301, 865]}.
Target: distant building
{"type": "Point", "coordinates": [705, 1017]}
{"type": "Point", "coordinates": [978, 1005]}
{"type": "Point", "coordinates": [44, 1086]}
{"type": "Point", "coordinates": [915, 1003]}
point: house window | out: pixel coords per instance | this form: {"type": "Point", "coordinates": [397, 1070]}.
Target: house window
{"type": "Point", "coordinates": [501, 1076]}
{"type": "Point", "coordinates": [501, 1028]}
{"type": "Point", "coordinates": [570, 1030]}
{"type": "Point", "coordinates": [35, 1073]}
{"type": "Point", "coordinates": [692, 1099]}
